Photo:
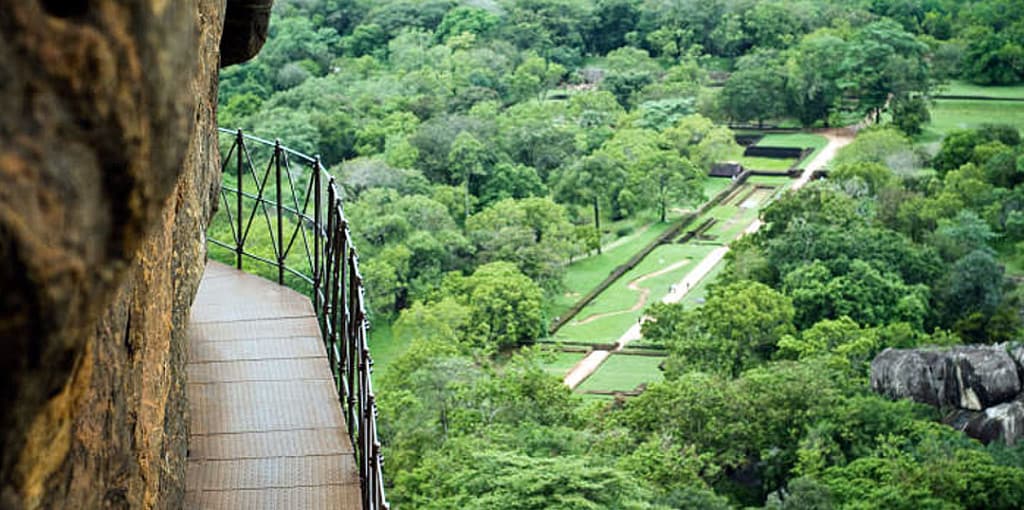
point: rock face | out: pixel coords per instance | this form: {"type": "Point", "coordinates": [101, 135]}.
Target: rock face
{"type": "Point", "coordinates": [245, 30]}
{"type": "Point", "coordinates": [914, 374]}
{"type": "Point", "coordinates": [1001, 422]}
{"type": "Point", "coordinates": [980, 383]}
{"type": "Point", "coordinates": [109, 166]}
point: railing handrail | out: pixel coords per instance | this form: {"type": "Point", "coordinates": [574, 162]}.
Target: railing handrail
{"type": "Point", "coordinates": [332, 269]}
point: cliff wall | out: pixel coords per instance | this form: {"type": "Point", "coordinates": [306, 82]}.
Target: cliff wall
{"type": "Point", "coordinates": [108, 175]}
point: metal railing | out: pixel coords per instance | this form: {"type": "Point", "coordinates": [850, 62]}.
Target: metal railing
{"type": "Point", "coordinates": [306, 226]}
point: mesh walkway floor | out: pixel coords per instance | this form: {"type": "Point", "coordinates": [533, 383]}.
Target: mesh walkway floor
{"type": "Point", "coordinates": [266, 427]}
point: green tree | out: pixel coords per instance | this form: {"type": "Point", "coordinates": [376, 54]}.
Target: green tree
{"type": "Point", "coordinates": [756, 91]}
{"type": "Point", "coordinates": [533, 233]}
{"type": "Point", "coordinates": [661, 179]}
{"type": "Point", "coordinates": [883, 62]}
{"type": "Point", "coordinates": [466, 19]}
{"type": "Point", "coordinates": [992, 58]}
{"type": "Point", "coordinates": [591, 181]}
{"type": "Point", "coordinates": [505, 305]}
{"type": "Point", "coordinates": [737, 328]}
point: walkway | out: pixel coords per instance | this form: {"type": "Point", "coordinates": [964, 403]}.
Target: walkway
{"type": "Point", "coordinates": [837, 139]}
{"type": "Point", "coordinates": [266, 427]}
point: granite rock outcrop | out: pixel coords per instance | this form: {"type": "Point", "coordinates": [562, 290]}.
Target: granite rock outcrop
{"type": "Point", "coordinates": [979, 385]}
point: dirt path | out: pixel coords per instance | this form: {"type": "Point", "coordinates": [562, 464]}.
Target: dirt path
{"type": "Point", "coordinates": [634, 286]}
{"type": "Point", "coordinates": [837, 139]}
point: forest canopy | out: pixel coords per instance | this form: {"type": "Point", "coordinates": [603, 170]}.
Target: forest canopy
{"type": "Point", "coordinates": [486, 146]}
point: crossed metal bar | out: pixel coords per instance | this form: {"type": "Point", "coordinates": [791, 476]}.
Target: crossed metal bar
{"type": "Point", "coordinates": [330, 270]}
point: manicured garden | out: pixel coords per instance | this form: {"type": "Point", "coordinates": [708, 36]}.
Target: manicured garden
{"type": "Point", "coordinates": [624, 372]}
{"type": "Point", "coordinates": [585, 273]}
{"type": "Point", "coordinates": [609, 315]}
{"type": "Point", "coordinates": [770, 164]}
{"type": "Point", "coordinates": [558, 363]}
{"type": "Point", "coordinates": [612, 312]}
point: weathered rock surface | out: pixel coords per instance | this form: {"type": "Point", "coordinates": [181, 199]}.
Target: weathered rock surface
{"type": "Point", "coordinates": [109, 167]}
{"type": "Point", "coordinates": [980, 383]}
{"type": "Point", "coordinates": [966, 377]}
{"type": "Point", "coordinates": [915, 374]}
{"type": "Point", "coordinates": [1004, 422]}
{"type": "Point", "coordinates": [978, 377]}
{"type": "Point", "coordinates": [245, 30]}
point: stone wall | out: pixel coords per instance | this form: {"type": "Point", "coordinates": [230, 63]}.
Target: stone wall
{"type": "Point", "coordinates": [109, 167]}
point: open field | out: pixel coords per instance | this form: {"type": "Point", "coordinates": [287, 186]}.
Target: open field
{"type": "Point", "coordinates": [952, 114]}
{"type": "Point", "coordinates": [963, 88]}
{"type": "Point", "coordinates": [622, 372]}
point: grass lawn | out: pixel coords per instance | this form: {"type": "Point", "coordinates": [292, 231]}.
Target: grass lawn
{"type": "Point", "coordinates": [698, 294]}
{"type": "Point", "coordinates": [728, 229]}
{"type": "Point", "coordinates": [558, 363]}
{"type": "Point", "coordinates": [770, 180]}
{"type": "Point", "coordinates": [624, 372]}
{"type": "Point", "coordinates": [963, 88]}
{"type": "Point", "coordinates": [618, 298]}
{"type": "Point", "coordinates": [584, 274]}
{"type": "Point", "coordinates": [777, 164]}
{"type": "Point", "coordinates": [715, 185]}
{"type": "Point", "coordinates": [723, 212]}
{"type": "Point", "coordinates": [952, 114]}
{"type": "Point", "coordinates": [801, 140]}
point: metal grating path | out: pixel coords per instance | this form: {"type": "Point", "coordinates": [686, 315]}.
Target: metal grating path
{"type": "Point", "coordinates": [267, 431]}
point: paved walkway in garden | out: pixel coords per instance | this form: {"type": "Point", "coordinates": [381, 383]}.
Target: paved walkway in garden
{"type": "Point", "coordinates": [837, 139]}
{"type": "Point", "coordinates": [267, 431]}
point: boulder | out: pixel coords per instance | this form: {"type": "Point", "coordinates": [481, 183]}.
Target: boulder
{"type": "Point", "coordinates": [917, 374]}
{"type": "Point", "coordinates": [978, 377]}
{"type": "Point", "coordinates": [1017, 354]}
{"type": "Point", "coordinates": [245, 30]}
{"type": "Point", "coordinates": [1003, 422]}
{"type": "Point", "coordinates": [965, 377]}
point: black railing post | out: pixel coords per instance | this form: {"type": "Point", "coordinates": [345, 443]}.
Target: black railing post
{"type": "Point", "coordinates": [353, 364]}
{"type": "Point", "coordinates": [317, 219]}
{"type": "Point", "coordinates": [279, 206]}
{"type": "Point", "coordinates": [240, 245]}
